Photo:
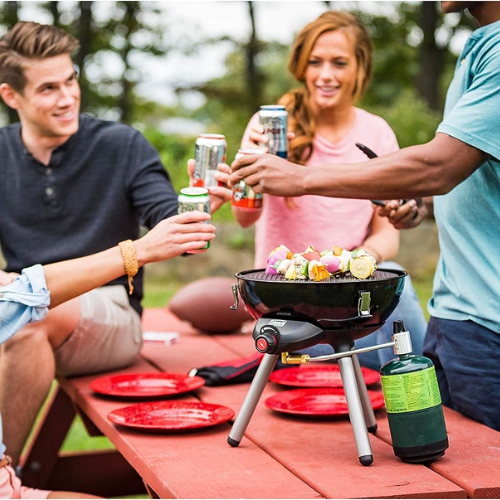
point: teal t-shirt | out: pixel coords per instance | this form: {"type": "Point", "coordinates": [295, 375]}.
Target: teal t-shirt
{"type": "Point", "coordinates": [467, 279]}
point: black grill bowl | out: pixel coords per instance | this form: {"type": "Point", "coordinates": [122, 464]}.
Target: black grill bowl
{"type": "Point", "coordinates": [333, 303]}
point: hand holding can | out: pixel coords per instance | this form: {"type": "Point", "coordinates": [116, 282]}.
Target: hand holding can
{"type": "Point", "coordinates": [210, 150]}
{"type": "Point", "coordinates": [274, 119]}
{"type": "Point", "coordinates": [244, 197]}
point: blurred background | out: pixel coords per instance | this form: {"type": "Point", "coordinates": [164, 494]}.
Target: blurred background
{"type": "Point", "coordinates": [179, 68]}
{"type": "Point", "coordinates": [174, 69]}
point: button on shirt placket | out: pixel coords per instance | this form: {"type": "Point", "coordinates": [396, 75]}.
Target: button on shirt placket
{"type": "Point", "coordinates": [50, 197]}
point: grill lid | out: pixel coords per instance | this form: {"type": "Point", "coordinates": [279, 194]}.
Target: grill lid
{"type": "Point", "coordinates": [261, 276]}
{"type": "Point", "coordinates": [337, 303]}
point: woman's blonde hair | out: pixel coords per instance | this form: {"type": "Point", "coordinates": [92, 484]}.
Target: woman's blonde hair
{"type": "Point", "coordinates": [300, 119]}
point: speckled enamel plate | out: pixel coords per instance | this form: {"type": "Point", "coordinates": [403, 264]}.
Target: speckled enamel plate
{"type": "Point", "coordinates": [318, 376]}
{"type": "Point", "coordinates": [160, 416]}
{"type": "Point", "coordinates": [318, 402]}
{"type": "Point", "coordinates": [146, 385]}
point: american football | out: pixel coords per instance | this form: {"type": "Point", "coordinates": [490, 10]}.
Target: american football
{"type": "Point", "coordinates": [206, 303]}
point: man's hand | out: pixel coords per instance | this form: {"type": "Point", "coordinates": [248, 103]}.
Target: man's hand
{"type": "Point", "coordinates": [218, 194]}
{"type": "Point", "coordinates": [406, 216]}
{"type": "Point", "coordinates": [7, 278]}
{"type": "Point", "coordinates": [175, 236]}
{"type": "Point", "coordinates": [269, 174]}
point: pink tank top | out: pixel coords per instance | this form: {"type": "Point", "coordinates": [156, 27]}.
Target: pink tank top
{"type": "Point", "coordinates": [317, 220]}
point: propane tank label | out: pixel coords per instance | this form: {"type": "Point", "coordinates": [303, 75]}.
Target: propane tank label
{"type": "Point", "coordinates": [411, 391]}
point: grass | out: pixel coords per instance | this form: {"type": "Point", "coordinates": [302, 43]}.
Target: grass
{"type": "Point", "coordinates": [422, 283]}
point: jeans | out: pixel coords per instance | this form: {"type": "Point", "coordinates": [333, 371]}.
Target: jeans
{"type": "Point", "coordinates": [408, 310]}
{"type": "Point", "coordinates": [467, 360]}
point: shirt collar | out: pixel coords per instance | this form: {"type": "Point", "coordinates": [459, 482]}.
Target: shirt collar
{"type": "Point", "coordinates": [58, 153]}
{"type": "Point", "coordinates": [477, 34]}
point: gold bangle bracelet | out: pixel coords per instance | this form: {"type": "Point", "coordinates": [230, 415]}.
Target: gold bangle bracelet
{"type": "Point", "coordinates": [130, 261]}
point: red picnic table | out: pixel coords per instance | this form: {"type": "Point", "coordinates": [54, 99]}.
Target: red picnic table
{"type": "Point", "coordinates": [279, 457]}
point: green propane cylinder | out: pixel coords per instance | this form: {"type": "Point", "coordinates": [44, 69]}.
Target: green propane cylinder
{"type": "Point", "coordinates": [413, 403]}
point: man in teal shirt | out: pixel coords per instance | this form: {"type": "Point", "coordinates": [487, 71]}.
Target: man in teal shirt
{"type": "Point", "coordinates": [460, 167]}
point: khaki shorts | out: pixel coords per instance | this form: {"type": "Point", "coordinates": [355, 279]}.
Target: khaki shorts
{"type": "Point", "coordinates": [108, 335]}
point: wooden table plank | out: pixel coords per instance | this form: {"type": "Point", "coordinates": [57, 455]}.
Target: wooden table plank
{"type": "Point", "coordinates": [195, 464]}
{"type": "Point", "coordinates": [321, 453]}
{"type": "Point", "coordinates": [473, 459]}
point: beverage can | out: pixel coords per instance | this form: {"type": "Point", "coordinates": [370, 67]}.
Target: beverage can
{"type": "Point", "coordinates": [210, 150]}
{"type": "Point", "coordinates": [195, 198]}
{"type": "Point", "coordinates": [274, 119]}
{"type": "Point", "coordinates": [244, 197]}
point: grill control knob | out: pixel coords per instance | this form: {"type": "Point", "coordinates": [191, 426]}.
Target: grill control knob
{"type": "Point", "coordinates": [267, 340]}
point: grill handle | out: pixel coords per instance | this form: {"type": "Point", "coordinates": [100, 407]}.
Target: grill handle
{"type": "Point", "coordinates": [234, 288]}
{"type": "Point", "coordinates": [364, 302]}
{"type": "Point", "coordinates": [364, 305]}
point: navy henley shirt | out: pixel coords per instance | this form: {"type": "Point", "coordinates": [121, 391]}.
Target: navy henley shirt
{"type": "Point", "coordinates": [99, 186]}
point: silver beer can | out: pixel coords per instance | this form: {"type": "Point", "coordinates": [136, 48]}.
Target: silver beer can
{"type": "Point", "coordinates": [244, 197]}
{"type": "Point", "coordinates": [274, 119]}
{"type": "Point", "coordinates": [194, 198]}
{"type": "Point", "coordinates": [210, 150]}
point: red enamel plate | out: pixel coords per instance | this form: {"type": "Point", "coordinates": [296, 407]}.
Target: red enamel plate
{"type": "Point", "coordinates": [320, 402]}
{"type": "Point", "coordinates": [142, 385]}
{"type": "Point", "coordinates": [171, 415]}
{"type": "Point", "coordinates": [318, 376]}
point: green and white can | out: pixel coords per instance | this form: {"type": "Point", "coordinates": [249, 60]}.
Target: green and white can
{"type": "Point", "coordinates": [195, 198]}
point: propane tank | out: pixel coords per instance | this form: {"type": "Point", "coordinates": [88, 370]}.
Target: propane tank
{"type": "Point", "coordinates": [413, 402]}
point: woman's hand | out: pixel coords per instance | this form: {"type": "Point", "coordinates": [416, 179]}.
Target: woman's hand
{"type": "Point", "coordinates": [257, 139]}
{"type": "Point", "coordinates": [7, 278]}
{"type": "Point", "coordinates": [218, 194]}
{"type": "Point", "coordinates": [405, 216]}
{"type": "Point", "coordinates": [174, 236]}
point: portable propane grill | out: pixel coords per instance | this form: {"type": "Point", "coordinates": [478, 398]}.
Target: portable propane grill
{"type": "Point", "coordinates": [296, 314]}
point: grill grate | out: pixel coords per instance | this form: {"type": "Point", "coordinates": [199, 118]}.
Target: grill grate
{"type": "Point", "coordinates": [260, 275]}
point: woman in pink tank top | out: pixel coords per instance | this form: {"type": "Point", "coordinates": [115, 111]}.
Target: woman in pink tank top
{"type": "Point", "coordinates": [332, 58]}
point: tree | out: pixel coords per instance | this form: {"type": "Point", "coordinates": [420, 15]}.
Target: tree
{"type": "Point", "coordinates": [129, 36]}
{"type": "Point", "coordinates": [53, 7]}
{"type": "Point", "coordinates": [431, 56]}
{"type": "Point", "coordinates": [8, 17]}
{"type": "Point", "coordinates": [85, 35]}
{"type": "Point", "coordinates": [254, 76]}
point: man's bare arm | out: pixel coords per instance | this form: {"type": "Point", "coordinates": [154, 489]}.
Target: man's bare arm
{"type": "Point", "coordinates": [418, 171]}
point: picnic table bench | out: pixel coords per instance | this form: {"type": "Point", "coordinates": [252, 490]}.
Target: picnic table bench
{"type": "Point", "coordinates": [279, 457]}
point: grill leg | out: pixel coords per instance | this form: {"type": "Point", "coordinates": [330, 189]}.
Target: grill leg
{"type": "Point", "coordinates": [355, 409]}
{"type": "Point", "coordinates": [371, 422]}
{"type": "Point", "coordinates": [252, 398]}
